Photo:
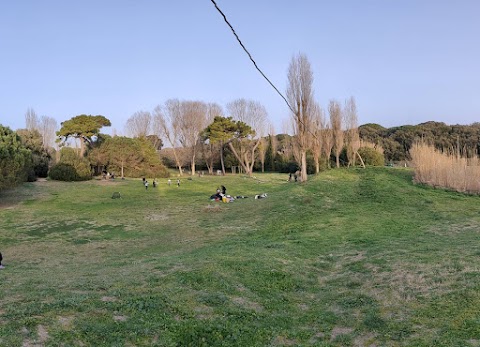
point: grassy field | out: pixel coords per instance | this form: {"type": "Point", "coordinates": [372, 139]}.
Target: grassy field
{"type": "Point", "coordinates": [350, 258]}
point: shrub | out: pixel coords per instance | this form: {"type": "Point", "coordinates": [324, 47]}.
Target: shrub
{"type": "Point", "coordinates": [371, 156]}
{"type": "Point", "coordinates": [15, 160]}
{"type": "Point", "coordinates": [71, 167]}
{"type": "Point", "coordinates": [63, 172]}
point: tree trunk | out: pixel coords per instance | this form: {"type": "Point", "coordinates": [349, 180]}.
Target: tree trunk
{"type": "Point", "coordinates": [337, 158]}
{"type": "Point", "coordinates": [361, 160]}
{"type": "Point", "coordinates": [177, 161]}
{"type": "Point", "coordinates": [209, 167]}
{"type": "Point", "coordinates": [221, 159]}
{"type": "Point", "coordinates": [317, 166]}
{"type": "Point", "coordinates": [121, 170]}
{"type": "Point", "coordinates": [303, 172]}
{"type": "Point", "coordinates": [239, 159]}
{"type": "Point", "coordinates": [193, 165]}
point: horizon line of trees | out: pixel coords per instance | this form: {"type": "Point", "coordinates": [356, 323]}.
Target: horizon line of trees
{"type": "Point", "coordinates": [202, 135]}
{"type": "Point", "coordinates": [24, 156]}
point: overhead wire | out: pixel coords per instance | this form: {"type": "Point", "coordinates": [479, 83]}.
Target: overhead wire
{"type": "Point", "coordinates": [259, 70]}
{"type": "Point", "coordinates": [249, 55]}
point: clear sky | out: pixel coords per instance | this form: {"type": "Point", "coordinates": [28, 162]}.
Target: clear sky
{"type": "Point", "coordinates": [405, 61]}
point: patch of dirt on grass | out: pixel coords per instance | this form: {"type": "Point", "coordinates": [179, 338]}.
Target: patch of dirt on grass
{"type": "Point", "coordinates": [248, 304]}
{"type": "Point", "coordinates": [108, 299]}
{"type": "Point", "coordinates": [120, 318]}
{"type": "Point", "coordinates": [303, 307]}
{"type": "Point", "coordinates": [204, 312]}
{"type": "Point", "coordinates": [458, 228]}
{"type": "Point", "coordinates": [153, 217]}
{"type": "Point", "coordinates": [42, 337]}
{"type": "Point", "coordinates": [42, 333]}
{"type": "Point", "coordinates": [365, 340]}
{"type": "Point", "coordinates": [356, 257]}
{"type": "Point", "coordinates": [212, 208]}
{"type": "Point", "coordinates": [283, 341]}
{"type": "Point", "coordinates": [28, 343]}
{"type": "Point", "coordinates": [317, 336]}
{"type": "Point", "coordinates": [66, 321]}
{"type": "Point", "coordinates": [407, 282]}
{"type": "Point", "coordinates": [337, 331]}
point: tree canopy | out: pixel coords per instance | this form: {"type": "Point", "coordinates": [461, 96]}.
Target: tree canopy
{"type": "Point", "coordinates": [83, 127]}
{"type": "Point", "coordinates": [130, 157]}
{"type": "Point", "coordinates": [15, 159]}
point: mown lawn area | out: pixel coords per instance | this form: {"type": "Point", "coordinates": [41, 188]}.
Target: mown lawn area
{"type": "Point", "coordinates": [350, 258]}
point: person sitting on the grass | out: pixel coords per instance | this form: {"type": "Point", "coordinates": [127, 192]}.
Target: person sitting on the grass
{"type": "Point", "coordinates": [217, 196]}
{"type": "Point", "coordinates": [1, 258]}
{"type": "Point", "coordinates": [224, 190]}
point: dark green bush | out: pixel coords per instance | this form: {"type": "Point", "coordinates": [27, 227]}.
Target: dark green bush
{"type": "Point", "coordinates": [371, 157]}
{"type": "Point", "coordinates": [71, 167]}
{"type": "Point", "coordinates": [64, 172]}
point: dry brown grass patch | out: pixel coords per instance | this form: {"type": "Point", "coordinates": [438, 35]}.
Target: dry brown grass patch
{"type": "Point", "coordinates": [248, 304]}
{"type": "Point", "coordinates": [212, 208]}
{"type": "Point", "coordinates": [283, 341]}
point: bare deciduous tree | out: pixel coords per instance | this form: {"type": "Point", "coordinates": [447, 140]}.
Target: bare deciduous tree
{"type": "Point", "coordinates": [318, 122]}
{"type": "Point", "coordinates": [327, 139]}
{"type": "Point", "coordinates": [262, 151]}
{"type": "Point", "coordinates": [336, 121]}
{"type": "Point", "coordinates": [210, 150]}
{"type": "Point", "coordinates": [193, 119]}
{"type": "Point", "coordinates": [213, 110]}
{"type": "Point", "coordinates": [300, 98]}
{"type": "Point", "coordinates": [139, 124]}
{"type": "Point", "coordinates": [167, 123]}
{"type": "Point", "coordinates": [295, 148]}
{"type": "Point", "coordinates": [47, 128]}
{"type": "Point", "coordinates": [31, 120]}
{"type": "Point", "coordinates": [352, 137]}
{"type": "Point", "coordinates": [253, 114]}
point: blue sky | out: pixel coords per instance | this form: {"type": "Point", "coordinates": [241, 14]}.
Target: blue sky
{"type": "Point", "coordinates": [405, 61]}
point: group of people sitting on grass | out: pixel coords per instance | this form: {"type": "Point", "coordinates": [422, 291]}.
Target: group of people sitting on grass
{"type": "Point", "coordinates": [221, 195]}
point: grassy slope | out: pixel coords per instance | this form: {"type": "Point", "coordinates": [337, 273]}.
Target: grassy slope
{"type": "Point", "coordinates": [357, 257]}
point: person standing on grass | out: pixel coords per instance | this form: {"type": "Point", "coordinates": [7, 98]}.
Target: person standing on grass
{"type": "Point", "coordinates": [146, 185]}
{"type": "Point", "coordinates": [178, 182]}
{"type": "Point", "coordinates": [1, 258]}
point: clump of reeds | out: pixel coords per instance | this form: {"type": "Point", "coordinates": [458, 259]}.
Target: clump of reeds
{"type": "Point", "coordinates": [445, 170]}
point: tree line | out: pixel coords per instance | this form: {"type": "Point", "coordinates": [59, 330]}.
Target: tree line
{"type": "Point", "coordinates": [191, 135]}
{"type": "Point", "coordinates": [396, 142]}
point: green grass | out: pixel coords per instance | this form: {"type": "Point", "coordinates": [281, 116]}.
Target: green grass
{"type": "Point", "coordinates": [350, 258]}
